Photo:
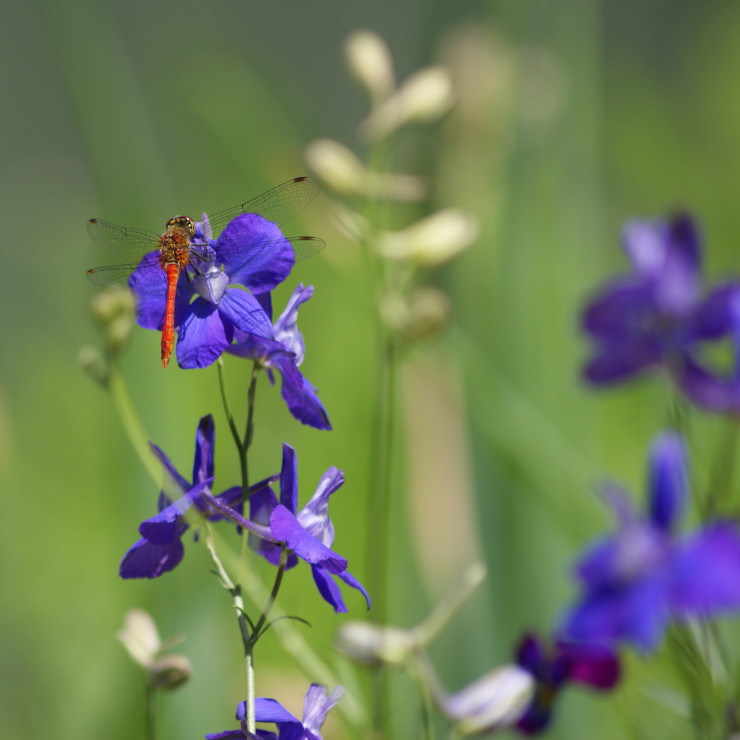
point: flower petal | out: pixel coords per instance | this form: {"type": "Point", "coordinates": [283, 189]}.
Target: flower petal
{"type": "Point", "coordinates": [203, 336]}
{"type": "Point", "coordinates": [317, 705]}
{"type": "Point", "coordinates": [350, 580]}
{"type": "Point", "coordinates": [314, 516]}
{"type": "Point", "coordinates": [147, 560]}
{"type": "Point", "coordinates": [285, 526]}
{"type": "Point", "coordinates": [204, 442]}
{"type": "Point", "coordinates": [622, 310]}
{"type": "Point", "coordinates": [706, 572]}
{"type": "Point", "coordinates": [590, 664]}
{"type": "Point", "coordinates": [254, 253]}
{"type": "Point", "coordinates": [286, 327]}
{"type": "Point", "coordinates": [635, 612]}
{"type": "Point", "coordinates": [719, 312]}
{"type": "Point", "coordinates": [622, 360]}
{"type": "Point", "coordinates": [328, 589]}
{"type": "Point", "coordinates": [244, 313]}
{"type": "Point", "coordinates": [678, 283]}
{"type": "Point", "coordinates": [668, 480]}
{"type": "Point", "coordinates": [289, 479]}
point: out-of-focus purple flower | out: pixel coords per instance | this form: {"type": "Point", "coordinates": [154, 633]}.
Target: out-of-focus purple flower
{"type": "Point", "coordinates": [250, 253]}
{"type": "Point", "coordinates": [636, 580]}
{"type": "Point", "coordinates": [316, 706]}
{"type": "Point", "coordinates": [656, 316]}
{"type": "Point", "coordinates": [309, 534]}
{"type": "Point", "coordinates": [285, 353]}
{"type": "Point", "coordinates": [160, 548]}
{"type": "Point", "coordinates": [592, 665]}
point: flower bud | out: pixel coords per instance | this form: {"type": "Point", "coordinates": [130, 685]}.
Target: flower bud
{"type": "Point", "coordinates": [370, 63]}
{"type": "Point", "coordinates": [140, 637]}
{"type": "Point", "coordinates": [344, 173]}
{"type": "Point", "coordinates": [94, 364]}
{"type": "Point", "coordinates": [431, 241]}
{"type": "Point", "coordinates": [424, 97]}
{"type": "Point", "coordinates": [371, 643]}
{"type": "Point", "coordinates": [170, 672]}
{"type": "Point", "coordinates": [109, 304]}
{"type": "Point", "coordinates": [336, 165]}
{"type": "Point", "coordinates": [495, 700]}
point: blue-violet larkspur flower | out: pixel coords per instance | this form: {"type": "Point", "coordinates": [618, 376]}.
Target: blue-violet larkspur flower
{"type": "Point", "coordinates": [285, 353]}
{"type": "Point", "coordinates": [590, 664]}
{"type": "Point", "coordinates": [250, 253]}
{"type": "Point", "coordinates": [638, 579]}
{"type": "Point", "coordinates": [656, 315]}
{"type": "Point", "coordinates": [309, 534]}
{"type": "Point", "coordinates": [160, 548]}
{"type": "Point", "coordinates": [316, 706]}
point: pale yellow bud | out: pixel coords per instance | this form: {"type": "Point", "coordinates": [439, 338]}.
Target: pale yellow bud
{"type": "Point", "coordinates": [425, 96]}
{"type": "Point", "coordinates": [140, 637]}
{"type": "Point", "coordinates": [371, 643]}
{"type": "Point", "coordinates": [336, 165]}
{"type": "Point", "coordinates": [344, 173]}
{"type": "Point", "coordinates": [431, 241]}
{"type": "Point", "coordinates": [370, 63]}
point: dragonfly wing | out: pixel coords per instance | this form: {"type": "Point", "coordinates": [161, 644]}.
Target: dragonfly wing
{"type": "Point", "coordinates": [126, 245]}
{"type": "Point", "coordinates": [241, 261]}
{"type": "Point", "coordinates": [278, 205]}
{"type": "Point", "coordinates": [156, 279]}
{"type": "Point", "coordinates": [111, 275]}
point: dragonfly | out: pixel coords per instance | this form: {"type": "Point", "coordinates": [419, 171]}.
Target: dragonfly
{"type": "Point", "coordinates": [183, 249]}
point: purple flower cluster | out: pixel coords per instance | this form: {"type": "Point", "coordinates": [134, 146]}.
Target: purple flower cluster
{"type": "Point", "coordinates": [657, 317]}
{"type": "Point", "coordinates": [225, 305]}
{"type": "Point", "coordinates": [308, 534]}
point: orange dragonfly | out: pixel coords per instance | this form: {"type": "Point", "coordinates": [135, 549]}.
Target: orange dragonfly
{"type": "Point", "coordinates": [184, 249]}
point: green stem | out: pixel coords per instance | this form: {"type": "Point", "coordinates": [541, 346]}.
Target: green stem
{"type": "Point", "coordinates": [723, 470]}
{"type": "Point", "coordinates": [377, 532]}
{"type": "Point", "coordinates": [132, 424]}
{"type": "Point", "coordinates": [273, 594]}
{"type": "Point", "coordinates": [234, 431]}
{"type": "Point", "coordinates": [150, 712]}
{"type": "Point", "coordinates": [249, 429]}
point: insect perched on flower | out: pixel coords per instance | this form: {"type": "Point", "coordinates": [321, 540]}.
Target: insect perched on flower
{"type": "Point", "coordinates": [165, 271]}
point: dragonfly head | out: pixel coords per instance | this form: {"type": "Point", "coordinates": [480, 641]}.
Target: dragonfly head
{"type": "Point", "coordinates": [181, 225]}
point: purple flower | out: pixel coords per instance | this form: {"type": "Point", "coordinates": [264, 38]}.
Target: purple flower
{"type": "Point", "coordinates": [250, 253]}
{"type": "Point", "coordinates": [160, 548]}
{"type": "Point", "coordinates": [636, 580]}
{"type": "Point", "coordinates": [309, 533]}
{"type": "Point", "coordinates": [656, 315]}
{"type": "Point", "coordinates": [315, 708]}
{"type": "Point", "coordinates": [285, 353]}
{"type": "Point", "coordinates": [592, 665]}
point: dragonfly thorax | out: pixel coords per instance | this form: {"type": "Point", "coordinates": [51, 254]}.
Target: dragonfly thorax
{"type": "Point", "coordinates": [176, 241]}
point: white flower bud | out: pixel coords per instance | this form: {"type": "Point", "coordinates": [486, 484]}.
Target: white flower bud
{"type": "Point", "coordinates": [425, 96]}
{"type": "Point", "coordinates": [495, 700]}
{"type": "Point", "coordinates": [140, 637]}
{"type": "Point", "coordinates": [370, 63]}
{"type": "Point", "coordinates": [344, 173]}
{"type": "Point", "coordinates": [336, 165]}
{"type": "Point", "coordinates": [371, 643]}
{"type": "Point", "coordinates": [432, 240]}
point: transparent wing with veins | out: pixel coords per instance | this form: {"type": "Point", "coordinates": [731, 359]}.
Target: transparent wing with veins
{"type": "Point", "coordinates": [130, 246]}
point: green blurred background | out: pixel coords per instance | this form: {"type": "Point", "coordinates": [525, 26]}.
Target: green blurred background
{"type": "Point", "coordinates": [573, 117]}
